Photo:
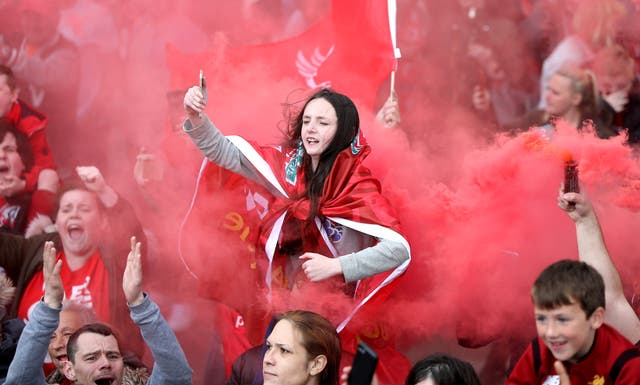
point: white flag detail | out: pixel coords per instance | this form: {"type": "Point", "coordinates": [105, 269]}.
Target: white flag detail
{"type": "Point", "coordinates": [308, 68]}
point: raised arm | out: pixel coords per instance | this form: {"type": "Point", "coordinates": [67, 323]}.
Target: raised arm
{"type": "Point", "coordinates": [171, 366]}
{"type": "Point", "coordinates": [215, 146]}
{"type": "Point", "coordinates": [26, 367]}
{"type": "Point", "coordinates": [592, 250]}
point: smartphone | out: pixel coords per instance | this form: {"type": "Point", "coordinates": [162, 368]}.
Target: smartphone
{"type": "Point", "coordinates": [203, 85]}
{"type": "Point", "coordinates": [571, 177]}
{"type": "Point", "coordinates": [364, 366]}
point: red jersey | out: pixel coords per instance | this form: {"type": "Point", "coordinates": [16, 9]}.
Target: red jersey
{"type": "Point", "coordinates": [32, 123]}
{"type": "Point", "coordinates": [594, 369]}
{"type": "Point", "coordinates": [88, 286]}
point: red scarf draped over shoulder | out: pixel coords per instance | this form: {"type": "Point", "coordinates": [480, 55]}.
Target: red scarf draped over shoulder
{"type": "Point", "coordinates": [351, 197]}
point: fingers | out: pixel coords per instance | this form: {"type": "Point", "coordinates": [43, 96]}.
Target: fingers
{"type": "Point", "coordinates": [134, 255]}
{"type": "Point", "coordinates": [562, 373]}
{"type": "Point", "coordinates": [133, 243]}
{"type": "Point", "coordinates": [88, 174]}
{"type": "Point", "coordinates": [344, 376]}
{"type": "Point", "coordinates": [194, 99]}
{"type": "Point", "coordinates": [49, 259]}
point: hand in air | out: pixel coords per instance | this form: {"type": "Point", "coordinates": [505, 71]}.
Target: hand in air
{"type": "Point", "coordinates": [132, 277]}
{"type": "Point", "coordinates": [389, 114]}
{"type": "Point", "coordinates": [194, 102]}
{"type": "Point", "coordinates": [576, 205]}
{"type": "Point", "coordinates": [92, 178]}
{"type": "Point", "coordinates": [53, 289]}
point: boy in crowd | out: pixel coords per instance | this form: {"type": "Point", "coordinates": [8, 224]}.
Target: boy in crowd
{"type": "Point", "coordinates": [569, 301]}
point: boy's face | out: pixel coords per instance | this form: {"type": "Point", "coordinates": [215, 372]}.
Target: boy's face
{"type": "Point", "coordinates": [567, 331]}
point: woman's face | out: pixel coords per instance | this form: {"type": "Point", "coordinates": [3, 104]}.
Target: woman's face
{"type": "Point", "coordinates": [286, 361]}
{"type": "Point", "coordinates": [559, 96]}
{"type": "Point", "coordinates": [319, 126]}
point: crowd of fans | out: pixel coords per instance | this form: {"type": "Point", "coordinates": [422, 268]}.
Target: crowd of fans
{"type": "Point", "coordinates": [505, 66]}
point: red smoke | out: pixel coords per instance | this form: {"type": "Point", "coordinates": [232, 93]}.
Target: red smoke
{"type": "Point", "coordinates": [478, 208]}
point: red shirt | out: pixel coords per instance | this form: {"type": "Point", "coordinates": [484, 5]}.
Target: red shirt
{"type": "Point", "coordinates": [33, 123]}
{"type": "Point", "coordinates": [592, 369]}
{"type": "Point", "coordinates": [88, 285]}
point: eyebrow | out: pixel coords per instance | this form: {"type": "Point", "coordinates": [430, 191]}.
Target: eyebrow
{"type": "Point", "coordinates": [97, 352]}
{"type": "Point", "coordinates": [280, 345]}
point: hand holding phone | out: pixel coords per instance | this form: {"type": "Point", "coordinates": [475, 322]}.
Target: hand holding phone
{"type": "Point", "coordinates": [364, 366]}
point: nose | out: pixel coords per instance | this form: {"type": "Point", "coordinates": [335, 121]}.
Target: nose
{"type": "Point", "coordinates": [58, 343]}
{"type": "Point", "coordinates": [268, 358]}
{"type": "Point", "coordinates": [104, 362]}
{"type": "Point", "coordinates": [312, 126]}
{"type": "Point", "coordinates": [75, 211]}
{"type": "Point", "coordinates": [551, 330]}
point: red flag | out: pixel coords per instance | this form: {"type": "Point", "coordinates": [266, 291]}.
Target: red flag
{"type": "Point", "coordinates": [350, 49]}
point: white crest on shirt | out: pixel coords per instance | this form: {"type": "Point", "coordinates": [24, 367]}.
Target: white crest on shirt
{"type": "Point", "coordinates": [552, 380]}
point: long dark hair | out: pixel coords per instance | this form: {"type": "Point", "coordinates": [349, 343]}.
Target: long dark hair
{"type": "Point", "coordinates": [444, 370]}
{"type": "Point", "coordinates": [347, 128]}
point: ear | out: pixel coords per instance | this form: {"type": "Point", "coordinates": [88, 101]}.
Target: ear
{"type": "Point", "coordinates": [597, 318]}
{"type": "Point", "coordinates": [576, 99]}
{"type": "Point", "coordinates": [69, 371]}
{"type": "Point", "coordinates": [317, 365]}
{"type": "Point", "coordinates": [14, 94]}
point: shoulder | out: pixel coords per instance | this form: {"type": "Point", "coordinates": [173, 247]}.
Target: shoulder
{"type": "Point", "coordinates": [610, 345]}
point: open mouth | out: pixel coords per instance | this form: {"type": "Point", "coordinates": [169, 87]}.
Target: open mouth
{"type": "Point", "coordinates": [75, 232]}
{"type": "Point", "coordinates": [62, 357]}
{"type": "Point", "coordinates": [4, 169]}
{"type": "Point", "coordinates": [312, 141]}
{"type": "Point", "coordinates": [108, 380]}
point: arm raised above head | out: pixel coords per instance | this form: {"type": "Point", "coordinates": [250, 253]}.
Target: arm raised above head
{"type": "Point", "coordinates": [171, 366]}
{"type": "Point", "coordinates": [593, 250]}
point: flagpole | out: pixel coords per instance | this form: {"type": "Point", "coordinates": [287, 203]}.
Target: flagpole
{"type": "Point", "coordinates": [392, 9]}
{"type": "Point", "coordinates": [392, 89]}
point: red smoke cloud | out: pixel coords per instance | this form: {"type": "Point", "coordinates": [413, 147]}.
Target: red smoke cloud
{"type": "Point", "coordinates": [479, 210]}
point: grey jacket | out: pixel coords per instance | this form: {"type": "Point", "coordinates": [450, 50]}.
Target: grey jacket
{"type": "Point", "coordinates": [170, 367]}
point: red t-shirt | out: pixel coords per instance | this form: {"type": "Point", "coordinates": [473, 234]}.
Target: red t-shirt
{"type": "Point", "coordinates": [88, 286]}
{"type": "Point", "coordinates": [592, 369]}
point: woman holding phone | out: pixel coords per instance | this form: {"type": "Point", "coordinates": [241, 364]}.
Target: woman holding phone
{"type": "Point", "coordinates": [327, 222]}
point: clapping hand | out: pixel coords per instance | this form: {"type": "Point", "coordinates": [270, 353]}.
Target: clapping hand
{"type": "Point", "coordinates": [132, 278]}
{"type": "Point", "coordinates": [53, 289]}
